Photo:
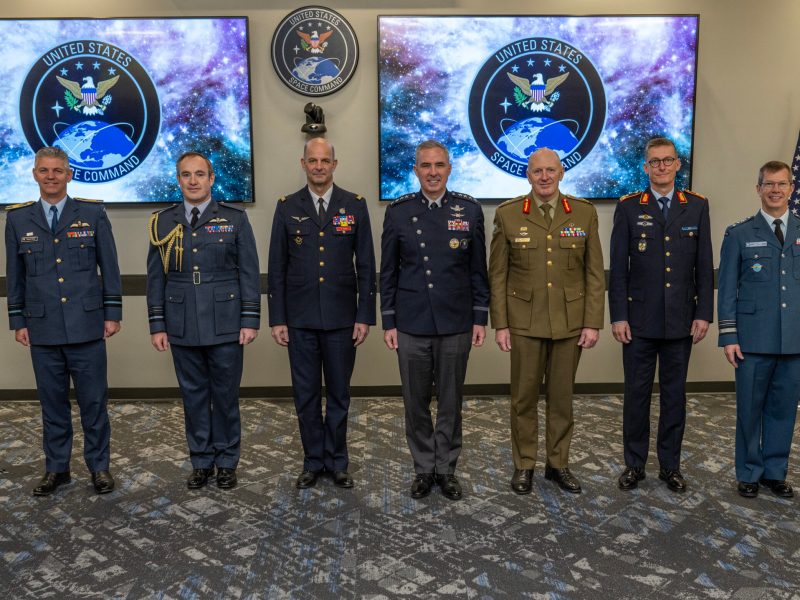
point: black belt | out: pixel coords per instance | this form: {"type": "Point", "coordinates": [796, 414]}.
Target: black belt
{"type": "Point", "coordinates": [196, 277]}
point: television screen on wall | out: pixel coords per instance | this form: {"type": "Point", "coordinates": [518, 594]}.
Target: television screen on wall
{"type": "Point", "coordinates": [494, 89]}
{"type": "Point", "coordinates": [124, 98]}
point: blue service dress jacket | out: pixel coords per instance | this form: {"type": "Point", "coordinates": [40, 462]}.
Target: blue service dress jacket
{"type": "Point", "coordinates": [203, 281]}
{"type": "Point", "coordinates": [759, 287]}
{"type": "Point", "coordinates": [321, 275]}
{"type": "Point", "coordinates": [433, 266]}
{"type": "Point", "coordinates": [62, 286]}
{"type": "Point", "coordinates": [661, 272]}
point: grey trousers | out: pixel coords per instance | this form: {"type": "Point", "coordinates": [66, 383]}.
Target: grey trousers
{"type": "Point", "coordinates": [423, 361]}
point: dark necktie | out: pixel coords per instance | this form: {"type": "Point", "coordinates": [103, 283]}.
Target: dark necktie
{"type": "Point", "coordinates": [778, 231]}
{"type": "Point", "coordinates": [433, 206]}
{"type": "Point", "coordinates": [664, 202]}
{"type": "Point", "coordinates": [321, 203]}
{"type": "Point", "coordinates": [53, 218]}
{"type": "Point", "coordinates": [195, 216]}
{"type": "Point", "coordinates": [546, 212]}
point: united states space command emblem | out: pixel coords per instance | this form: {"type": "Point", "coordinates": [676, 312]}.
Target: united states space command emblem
{"type": "Point", "coordinates": [314, 51]}
{"type": "Point", "coordinates": [94, 101]}
{"type": "Point", "coordinates": [536, 93]}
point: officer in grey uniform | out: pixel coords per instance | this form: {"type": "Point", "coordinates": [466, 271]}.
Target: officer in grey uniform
{"type": "Point", "coordinates": [61, 308]}
{"type": "Point", "coordinates": [759, 330]}
{"type": "Point", "coordinates": [434, 304]}
{"type": "Point", "coordinates": [203, 302]}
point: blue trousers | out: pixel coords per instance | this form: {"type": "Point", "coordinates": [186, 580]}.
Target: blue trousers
{"type": "Point", "coordinates": [209, 379]}
{"type": "Point", "coordinates": [767, 391]}
{"type": "Point", "coordinates": [313, 352]}
{"type": "Point", "coordinates": [85, 364]}
{"type": "Point", "coordinates": [639, 362]}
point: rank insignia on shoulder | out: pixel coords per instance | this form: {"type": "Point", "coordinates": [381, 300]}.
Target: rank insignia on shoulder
{"type": "Point", "coordinates": [629, 196]}
{"type": "Point", "coordinates": [92, 200]}
{"type": "Point", "coordinates": [694, 194]}
{"type": "Point", "coordinates": [359, 197]}
{"type": "Point", "coordinates": [20, 205]}
{"type": "Point", "coordinates": [282, 199]}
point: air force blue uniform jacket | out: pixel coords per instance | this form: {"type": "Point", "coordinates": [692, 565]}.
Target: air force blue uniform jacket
{"type": "Point", "coordinates": [321, 275]}
{"type": "Point", "coordinates": [433, 266]}
{"type": "Point", "coordinates": [662, 274]}
{"type": "Point", "coordinates": [54, 288]}
{"type": "Point", "coordinates": [211, 288]}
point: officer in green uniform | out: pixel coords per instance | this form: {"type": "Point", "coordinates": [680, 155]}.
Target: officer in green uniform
{"type": "Point", "coordinates": [547, 284]}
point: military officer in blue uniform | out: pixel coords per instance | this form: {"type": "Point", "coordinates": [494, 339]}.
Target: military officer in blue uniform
{"type": "Point", "coordinates": [434, 305]}
{"type": "Point", "coordinates": [758, 303]}
{"type": "Point", "coordinates": [60, 307]}
{"type": "Point", "coordinates": [204, 302]}
{"type": "Point", "coordinates": [661, 299]}
{"type": "Point", "coordinates": [321, 291]}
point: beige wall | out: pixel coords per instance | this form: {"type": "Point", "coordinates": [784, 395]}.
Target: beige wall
{"type": "Point", "coordinates": [747, 113]}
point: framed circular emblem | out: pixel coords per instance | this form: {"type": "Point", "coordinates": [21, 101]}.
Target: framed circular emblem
{"type": "Point", "coordinates": [96, 102]}
{"type": "Point", "coordinates": [314, 51]}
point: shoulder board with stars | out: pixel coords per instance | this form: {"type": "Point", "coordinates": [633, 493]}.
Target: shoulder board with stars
{"type": "Point", "coordinates": [20, 205]}
{"type": "Point", "coordinates": [690, 192]}
{"type": "Point", "coordinates": [576, 199]}
{"type": "Point", "coordinates": [745, 220]}
{"type": "Point", "coordinates": [629, 196]}
{"type": "Point", "coordinates": [160, 210]}
{"type": "Point", "coordinates": [233, 206]}
{"type": "Point", "coordinates": [512, 201]}
{"type": "Point", "coordinates": [91, 200]}
{"type": "Point", "coordinates": [403, 198]}
{"type": "Point", "coordinates": [465, 197]}
{"type": "Point", "coordinates": [282, 199]}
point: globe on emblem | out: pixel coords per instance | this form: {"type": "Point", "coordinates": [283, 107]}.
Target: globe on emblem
{"type": "Point", "coordinates": [94, 144]}
{"type": "Point", "coordinates": [316, 70]}
{"type": "Point", "coordinates": [525, 137]}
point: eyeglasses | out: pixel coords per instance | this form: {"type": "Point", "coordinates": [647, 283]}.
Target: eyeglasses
{"type": "Point", "coordinates": [656, 162]}
{"type": "Point", "coordinates": [771, 185]}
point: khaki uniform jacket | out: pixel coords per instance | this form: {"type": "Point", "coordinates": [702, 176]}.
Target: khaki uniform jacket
{"type": "Point", "coordinates": [546, 282]}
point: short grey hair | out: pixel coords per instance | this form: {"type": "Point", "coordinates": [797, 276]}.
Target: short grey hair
{"type": "Point", "coordinates": [430, 145]}
{"type": "Point", "coordinates": [51, 152]}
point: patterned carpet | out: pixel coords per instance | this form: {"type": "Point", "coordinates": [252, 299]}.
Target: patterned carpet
{"type": "Point", "coordinates": [153, 538]}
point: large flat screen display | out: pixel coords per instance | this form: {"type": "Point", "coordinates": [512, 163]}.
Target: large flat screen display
{"type": "Point", "coordinates": [494, 89]}
{"type": "Point", "coordinates": [124, 98]}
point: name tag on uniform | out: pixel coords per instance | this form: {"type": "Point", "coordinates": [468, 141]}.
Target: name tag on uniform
{"type": "Point", "coordinates": [689, 228]}
{"type": "Point", "coordinates": [755, 244]}
{"type": "Point", "coordinates": [30, 238]}
{"type": "Point", "coordinates": [522, 240]}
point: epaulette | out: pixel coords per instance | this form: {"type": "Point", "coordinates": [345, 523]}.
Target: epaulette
{"type": "Point", "coordinates": [282, 199]}
{"type": "Point", "coordinates": [576, 199]}
{"type": "Point", "coordinates": [403, 198]}
{"type": "Point", "coordinates": [629, 196]}
{"type": "Point", "coordinates": [91, 200]}
{"type": "Point", "coordinates": [508, 202]}
{"type": "Point", "coordinates": [465, 197]}
{"type": "Point", "coordinates": [233, 206]}
{"type": "Point", "coordinates": [20, 205]}
{"type": "Point", "coordinates": [160, 210]}
{"type": "Point", "coordinates": [694, 194]}
{"type": "Point", "coordinates": [745, 220]}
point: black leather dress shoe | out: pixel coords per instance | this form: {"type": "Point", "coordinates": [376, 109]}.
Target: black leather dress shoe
{"type": "Point", "coordinates": [226, 479]}
{"type": "Point", "coordinates": [50, 482]}
{"type": "Point", "coordinates": [342, 479]}
{"type": "Point", "coordinates": [630, 478]}
{"type": "Point", "coordinates": [199, 478]}
{"type": "Point", "coordinates": [779, 487]}
{"type": "Point", "coordinates": [451, 489]}
{"type": "Point", "coordinates": [674, 479]}
{"type": "Point", "coordinates": [307, 479]}
{"type": "Point", "coordinates": [103, 482]}
{"type": "Point", "coordinates": [421, 486]}
{"type": "Point", "coordinates": [747, 490]}
{"type": "Point", "coordinates": [565, 480]}
{"type": "Point", "coordinates": [522, 481]}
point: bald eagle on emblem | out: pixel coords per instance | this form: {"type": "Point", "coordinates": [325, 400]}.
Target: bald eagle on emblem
{"type": "Point", "coordinates": [537, 91]}
{"type": "Point", "coordinates": [314, 42]}
{"type": "Point", "coordinates": [89, 94]}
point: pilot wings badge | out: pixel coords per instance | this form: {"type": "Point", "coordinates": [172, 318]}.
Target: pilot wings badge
{"type": "Point", "coordinates": [536, 94]}
{"type": "Point", "coordinates": [300, 219]}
